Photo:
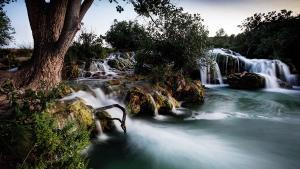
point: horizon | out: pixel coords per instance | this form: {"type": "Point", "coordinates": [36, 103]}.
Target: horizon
{"type": "Point", "coordinates": [226, 14]}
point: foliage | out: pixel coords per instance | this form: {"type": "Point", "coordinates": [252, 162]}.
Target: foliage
{"type": "Point", "coordinates": [272, 34]}
{"type": "Point", "coordinates": [221, 40]}
{"type": "Point", "coordinates": [30, 138]}
{"type": "Point", "coordinates": [128, 36]}
{"type": "Point", "coordinates": [178, 39]}
{"type": "Point", "coordinates": [88, 46]}
{"type": "Point", "coordinates": [6, 30]}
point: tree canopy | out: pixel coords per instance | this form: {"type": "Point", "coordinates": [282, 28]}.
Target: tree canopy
{"type": "Point", "coordinates": [126, 35]}
{"type": "Point", "coordinates": [6, 30]}
{"type": "Point", "coordinates": [178, 39]}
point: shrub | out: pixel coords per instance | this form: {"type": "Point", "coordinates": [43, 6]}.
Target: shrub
{"type": "Point", "coordinates": [127, 36]}
{"type": "Point", "coordinates": [178, 39]}
{"type": "Point", "coordinates": [31, 139]}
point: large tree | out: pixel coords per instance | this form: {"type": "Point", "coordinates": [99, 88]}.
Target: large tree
{"type": "Point", "coordinates": [54, 24]}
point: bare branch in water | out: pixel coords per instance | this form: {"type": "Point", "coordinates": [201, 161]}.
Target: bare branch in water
{"type": "Point", "coordinates": [98, 111]}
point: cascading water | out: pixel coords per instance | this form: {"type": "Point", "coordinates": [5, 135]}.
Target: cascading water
{"type": "Point", "coordinates": [198, 142]}
{"type": "Point", "coordinates": [101, 66]}
{"type": "Point", "coordinates": [229, 62]}
{"type": "Point", "coordinates": [210, 73]}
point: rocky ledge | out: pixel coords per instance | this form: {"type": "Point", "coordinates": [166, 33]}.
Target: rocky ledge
{"type": "Point", "coordinates": [164, 97]}
{"type": "Point", "coordinates": [246, 80]}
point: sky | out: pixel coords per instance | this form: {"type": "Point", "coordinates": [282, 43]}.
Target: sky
{"type": "Point", "coordinates": [217, 14]}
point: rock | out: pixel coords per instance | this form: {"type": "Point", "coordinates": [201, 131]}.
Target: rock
{"type": "Point", "coordinates": [165, 102]}
{"type": "Point", "coordinates": [139, 102]}
{"type": "Point", "coordinates": [64, 112]}
{"type": "Point", "coordinates": [121, 63]}
{"type": "Point", "coordinates": [87, 74]}
{"type": "Point", "coordinates": [64, 90]}
{"type": "Point", "coordinates": [114, 82]}
{"type": "Point", "coordinates": [99, 75]}
{"type": "Point", "coordinates": [246, 81]}
{"type": "Point", "coordinates": [106, 124]}
{"type": "Point", "coordinates": [284, 84]}
{"type": "Point", "coordinates": [190, 92]}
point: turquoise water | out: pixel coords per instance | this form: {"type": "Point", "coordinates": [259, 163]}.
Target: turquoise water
{"type": "Point", "coordinates": [233, 129]}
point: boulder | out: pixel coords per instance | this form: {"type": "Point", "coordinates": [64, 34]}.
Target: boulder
{"type": "Point", "coordinates": [64, 90]}
{"type": "Point", "coordinates": [246, 80]}
{"type": "Point", "coordinates": [189, 91]}
{"type": "Point", "coordinates": [191, 94]}
{"type": "Point", "coordinates": [165, 102]}
{"type": "Point", "coordinates": [284, 84]}
{"type": "Point", "coordinates": [114, 82]}
{"type": "Point", "coordinates": [121, 63]}
{"type": "Point", "coordinates": [140, 102]}
{"type": "Point", "coordinates": [99, 75]}
{"type": "Point", "coordinates": [106, 124]}
{"type": "Point", "coordinates": [64, 112]}
{"type": "Point", "coordinates": [87, 74]}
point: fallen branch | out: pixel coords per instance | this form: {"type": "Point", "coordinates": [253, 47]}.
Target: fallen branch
{"type": "Point", "coordinates": [98, 111]}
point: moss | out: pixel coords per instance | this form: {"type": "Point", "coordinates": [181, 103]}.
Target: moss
{"type": "Point", "coordinates": [64, 112]}
{"type": "Point", "coordinates": [140, 102]}
{"type": "Point", "coordinates": [81, 112]}
{"type": "Point", "coordinates": [32, 138]}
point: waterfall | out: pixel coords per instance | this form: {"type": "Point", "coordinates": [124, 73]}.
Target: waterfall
{"type": "Point", "coordinates": [210, 73]}
{"type": "Point", "coordinates": [101, 66]}
{"type": "Point", "coordinates": [229, 62]}
{"type": "Point", "coordinates": [99, 127]}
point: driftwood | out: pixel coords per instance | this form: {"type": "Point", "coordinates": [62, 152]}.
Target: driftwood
{"type": "Point", "coordinates": [123, 125]}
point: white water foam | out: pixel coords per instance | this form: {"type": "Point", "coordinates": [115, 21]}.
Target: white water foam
{"type": "Point", "coordinates": [272, 70]}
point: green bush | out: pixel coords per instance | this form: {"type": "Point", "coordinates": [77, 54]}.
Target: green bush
{"type": "Point", "coordinates": [127, 36]}
{"type": "Point", "coordinates": [178, 40]}
{"type": "Point", "coordinates": [88, 46]}
{"type": "Point", "coordinates": [31, 139]}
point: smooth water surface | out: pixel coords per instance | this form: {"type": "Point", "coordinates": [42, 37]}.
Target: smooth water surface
{"type": "Point", "coordinates": [233, 129]}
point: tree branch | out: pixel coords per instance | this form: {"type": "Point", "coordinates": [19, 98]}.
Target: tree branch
{"type": "Point", "coordinates": [123, 126]}
{"type": "Point", "coordinates": [71, 24]}
{"type": "Point", "coordinates": [84, 8]}
{"type": "Point", "coordinates": [56, 17]}
{"type": "Point", "coordinates": [35, 11]}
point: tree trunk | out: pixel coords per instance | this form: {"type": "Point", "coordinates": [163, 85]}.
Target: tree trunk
{"type": "Point", "coordinates": [53, 26]}
{"type": "Point", "coordinates": [45, 69]}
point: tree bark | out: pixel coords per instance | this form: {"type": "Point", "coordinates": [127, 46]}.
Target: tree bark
{"type": "Point", "coordinates": [53, 26]}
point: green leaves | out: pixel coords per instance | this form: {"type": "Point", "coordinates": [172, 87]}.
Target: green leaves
{"type": "Point", "coordinates": [31, 139]}
{"type": "Point", "coordinates": [178, 39]}
{"type": "Point", "coordinates": [6, 30]}
{"type": "Point", "coordinates": [127, 36]}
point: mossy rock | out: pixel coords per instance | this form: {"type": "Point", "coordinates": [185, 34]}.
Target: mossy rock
{"type": "Point", "coordinates": [65, 90]}
{"type": "Point", "coordinates": [165, 102]}
{"type": "Point", "coordinates": [64, 112]}
{"type": "Point", "coordinates": [81, 112]}
{"type": "Point", "coordinates": [192, 93]}
{"type": "Point", "coordinates": [140, 102]}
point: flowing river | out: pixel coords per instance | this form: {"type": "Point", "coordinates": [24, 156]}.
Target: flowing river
{"type": "Point", "coordinates": [233, 129]}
